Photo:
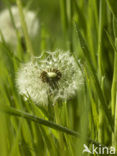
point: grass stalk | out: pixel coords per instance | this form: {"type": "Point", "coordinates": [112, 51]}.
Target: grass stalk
{"type": "Point", "coordinates": [90, 29]}
{"type": "Point", "coordinates": [95, 80]}
{"type": "Point", "coordinates": [63, 11]}
{"type": "Point", "coordinates": [58, 121]}
{"type": "Point", "coordinates": [24, 27]}
{"type": "Point", "coordinates": [113, 96]}
{"type": "Point", "coordinates": [114, 88]}
{"type": "Point", "coordinates": [100, 71]}
{"type": "Point", "coordinates": [70, 24]}
{"type": "Point", "coordinates": [115, 128]}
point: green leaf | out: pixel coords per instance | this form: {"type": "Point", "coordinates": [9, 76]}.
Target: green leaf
{"type": "Point", "coordinates": [113, 6]}
{"type": "Point", "coordinates": [17, 113]}
{"type": "Point", "coordinates": [94, 76]}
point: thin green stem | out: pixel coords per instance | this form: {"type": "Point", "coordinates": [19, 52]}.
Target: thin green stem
{"type": "Point", "coordinates": [58, 121]}
{"type": "Point", "coordinates": [90, 27]}
{"type": "Point", "coordinates": [114, 88]}
{"type": "Point", "coordinates": [114, 101]}
{"type": "Point", "coordinates": [24, 27]}
{"type": "Point", "coordinates": [100, 71]}
{"type": "Point", "coordinates": [70, 26]}
{"type": "Point", "coordinates": [63, 11]}
{"type": "Point", "coordinates": [115, 128]}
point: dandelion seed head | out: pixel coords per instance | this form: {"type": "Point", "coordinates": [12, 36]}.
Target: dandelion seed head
{"type": "Point", "coordinates": [8, 29]}
{"type": "Point", "coordinates": [57, 76]}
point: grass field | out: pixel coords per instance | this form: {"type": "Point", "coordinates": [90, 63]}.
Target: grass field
{"type": "Point", "coordinates": [88, 30]}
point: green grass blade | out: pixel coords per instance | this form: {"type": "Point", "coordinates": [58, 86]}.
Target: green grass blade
{"type": "Point", "coordinates": [113, 6]}
{"type": "Point", "coordinates": [17, 113]}
{"type": "Point", "coordinates": [94, 76]}
{"type": "Point", "coordinates": [24, 26]}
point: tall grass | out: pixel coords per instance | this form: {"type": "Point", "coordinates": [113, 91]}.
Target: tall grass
{"type": "Point", "coordinates": [88, 29]}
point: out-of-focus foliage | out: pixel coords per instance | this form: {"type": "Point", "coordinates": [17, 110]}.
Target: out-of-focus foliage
{"type": "Point", "coordinates": [88, 29]}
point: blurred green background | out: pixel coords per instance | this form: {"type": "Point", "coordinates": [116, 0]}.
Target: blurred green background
{"type": "Point", "coordinates": [88, 29]}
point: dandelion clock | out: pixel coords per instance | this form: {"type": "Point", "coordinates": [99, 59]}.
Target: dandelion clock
{"type": "Point", "coordinates": [57, 76]}
{"type": "Point", "coordinates": [8, 30]}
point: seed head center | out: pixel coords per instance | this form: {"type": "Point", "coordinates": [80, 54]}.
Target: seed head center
{"type": "Point", "coordinates": [51, 74]}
